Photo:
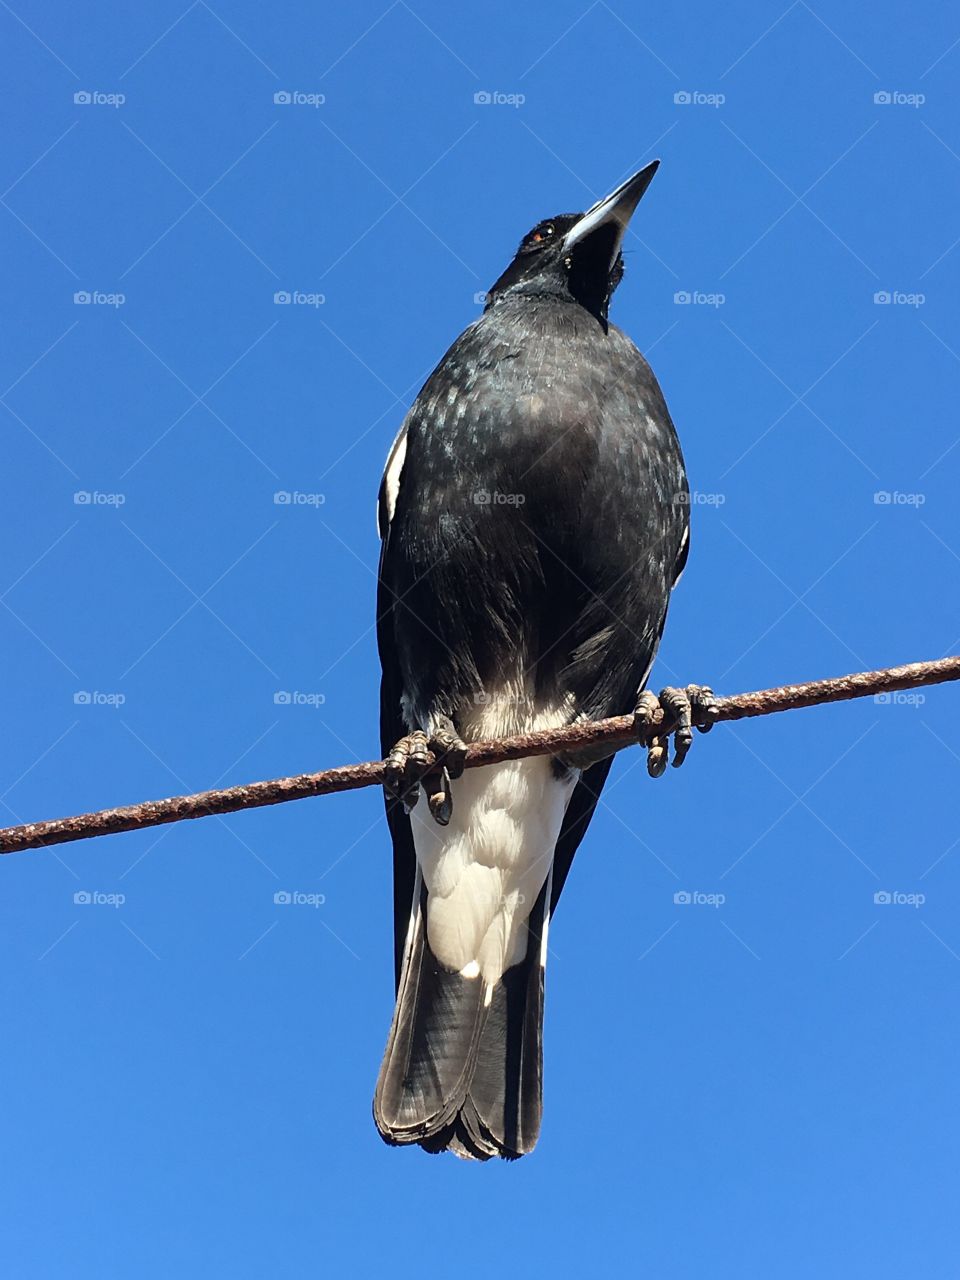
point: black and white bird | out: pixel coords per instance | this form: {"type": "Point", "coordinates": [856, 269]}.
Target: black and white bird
{"type": "Point", "coordinates": [534, 519]}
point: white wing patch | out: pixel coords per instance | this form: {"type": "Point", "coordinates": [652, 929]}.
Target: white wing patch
{"type": "Point", "coordinates": [683, 546]}
{"type": "Point", "coordinates": [390, 485]}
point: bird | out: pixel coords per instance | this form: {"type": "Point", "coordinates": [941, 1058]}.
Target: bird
{"type": "Point", "coordinates": [534, 519]}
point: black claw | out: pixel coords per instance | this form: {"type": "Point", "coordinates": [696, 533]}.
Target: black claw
{"type": "Point", "coordinates": [439, 796]}
{"type": "Point", "coordinates": [657, 757]}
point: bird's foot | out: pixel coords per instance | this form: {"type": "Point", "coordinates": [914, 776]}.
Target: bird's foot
{"type": "Point", "coordinates": [431, 760]}
{"type": "Point", "coordinates": [677, 712]}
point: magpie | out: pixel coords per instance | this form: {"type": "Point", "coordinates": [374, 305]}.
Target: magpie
{"type": "Point", "coordinates": [534, 519]}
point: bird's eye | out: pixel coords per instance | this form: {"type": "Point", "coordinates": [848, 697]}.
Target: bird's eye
{"type": "Point", "coordinates": [542, 233]}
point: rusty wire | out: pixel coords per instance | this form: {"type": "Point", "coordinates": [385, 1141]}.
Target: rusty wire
{"type": "Point", "coordinates": [614, 734]}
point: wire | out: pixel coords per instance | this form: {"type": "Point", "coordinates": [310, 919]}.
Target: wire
{"type": "Point", "coordinates": [614, 734]}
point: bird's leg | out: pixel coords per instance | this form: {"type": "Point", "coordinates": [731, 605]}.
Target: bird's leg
{"type": "Point", "coordinates": [431, 760]}
{"type": "Point", "coordinates": [677, 712]}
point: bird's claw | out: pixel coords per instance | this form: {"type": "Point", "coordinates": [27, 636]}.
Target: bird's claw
{"type": "Point", "coordinates": [439, 796]}
{"type": "Point", "coordinates": [431, 761]}
{"type": "Point", "coordinates": [677, 712]}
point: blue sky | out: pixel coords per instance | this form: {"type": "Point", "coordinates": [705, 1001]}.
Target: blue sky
{"type": "Point", "coordinates": [762, 1081]}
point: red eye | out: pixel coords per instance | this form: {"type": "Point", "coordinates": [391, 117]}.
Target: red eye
{"type": "Point", "coordinates": [537, 236]}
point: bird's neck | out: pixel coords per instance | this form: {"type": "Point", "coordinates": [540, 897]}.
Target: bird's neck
{"type": "Point", "coordinates": [533, 293]}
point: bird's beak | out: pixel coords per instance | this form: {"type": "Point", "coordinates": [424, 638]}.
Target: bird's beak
{"type": "Point", "coordinates": [613, 211]}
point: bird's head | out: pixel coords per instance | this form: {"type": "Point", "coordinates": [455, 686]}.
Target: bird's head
{"type": "Point", "coordinates": [576, 255]}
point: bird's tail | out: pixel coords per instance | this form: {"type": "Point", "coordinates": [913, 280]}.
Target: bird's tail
{"type": "Point", "coordinates": [463, 1067]}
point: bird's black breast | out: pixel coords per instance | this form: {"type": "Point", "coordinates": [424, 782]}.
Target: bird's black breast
{"type": "Point", "coordinates": [540, 516]}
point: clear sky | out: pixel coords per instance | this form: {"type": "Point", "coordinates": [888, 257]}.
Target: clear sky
{"type": "Point", "coordinates": [761, 1081]}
